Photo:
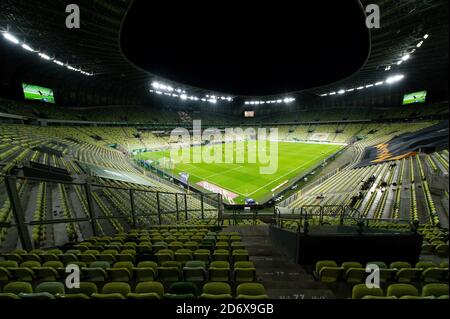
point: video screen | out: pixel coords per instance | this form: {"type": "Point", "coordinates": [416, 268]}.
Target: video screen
{"type": "Point", "coordinates": [249, 114]}
{"type": "Point", "coordinates": [416, 97]}
{"type": "Point", "coordinates": [38, 93]}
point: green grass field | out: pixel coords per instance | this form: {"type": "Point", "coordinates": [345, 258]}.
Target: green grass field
{"type": "Point", "coordinates": [244, 179]}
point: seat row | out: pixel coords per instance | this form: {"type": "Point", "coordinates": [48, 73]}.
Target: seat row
{"type": "Point", "coordinates": [120, 290]}
{"type": "Point", "coordinates": [102, 271]}
{"type": "Point", "coordinates": [162, 252]}
{"type": "Point", "coordinates": [402, 291]}
{"type": "Point", "coordinates": [399, 271]}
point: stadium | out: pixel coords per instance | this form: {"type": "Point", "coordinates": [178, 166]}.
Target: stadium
{"type": "Point", "coordinates": [141, 163]}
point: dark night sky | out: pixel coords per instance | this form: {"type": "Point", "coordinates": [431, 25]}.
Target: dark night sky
{"type": "Point", "coordinates": [261, 48]}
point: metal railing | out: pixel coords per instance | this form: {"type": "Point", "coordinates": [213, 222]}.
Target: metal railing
{"type": "Point", "coordinates": [92, 209]}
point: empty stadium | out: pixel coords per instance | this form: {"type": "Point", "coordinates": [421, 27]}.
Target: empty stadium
{"type": "Point", "coordinates": [338, 163]}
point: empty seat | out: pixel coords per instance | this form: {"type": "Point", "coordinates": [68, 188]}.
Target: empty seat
{"type": "Point", "coordinates": [113, 290]}
{"type": "Point", "coordinates": [195, 271]}
{"type": "Point", "coordinates": [18, 287]}
{"type": "Point", "coordinates": [399, 290]}
{"type": "Point", "coordinates": [182, 290]}
{"type": "Point", "coordinates": [244, 271]}
{"type": "Point", "coordinates": [202, 255]}
{"type": "Point", "coordinates": [96, 272]}
{"type": "Point", "coordinates": [219, 271]}
{"type": "Point", "coordinates": [145, 271]}
{"type": "Point", "coordinates": [240, 255]}
{"type": "Point", "coordinates": [55, 288]}
{"type": "Point", "coordinates": [435, 290]}
{"type": "Point", "coordinates": [361, 290]}
{"type": "Point", "coordinates": [327, 271]}
{"type": "Point", "coordinates": [216, 290]}
{"type": "Point", "coordinates": [148, 290]}
{"type": "Point", "coordinates": [221, 255]}
{"type": "Point", "coordinates": [121, 271]}
{"type": "Point", "coordinates": [251, 291]}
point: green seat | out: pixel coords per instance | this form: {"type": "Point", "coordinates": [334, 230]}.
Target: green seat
{"type": "Point", "coordinates": [202, 255]}
{"type": "Point", "coordinates": [327, 271]}
{"type": "Point", "coordinates": [74, 296]}
{"type": "Point", "coordinates": [216, 290]}
{"type": "Point", "coordinates": [435, 274]}
{"type": "Point", "coordinates": [435, 290]}
{"type": "Point", "coordinates": [244, 271]}
{"type": "Point", "coordinates": [183, 255]}
{"type": "Point", "coordinates": [37, 295]}
{"type": "Point", "coordinates": [405, 275]}
{"type": "Point", "coordinates": [251, 291]}
{"type": "Point", "coordinates": [13, 257]}
{"type": "Point", "coordinates": [49, 257]}
{"type": "Point", "coordinates": [5, 274]}
{"type": "Point", "coordinates": [379, 297]}
{"type": "Point", "coordinates": [425, 265]}
{"type": "Point", "coordinates": [23, 273]}
{"type": "Point", "coordinates": [219, 271]}
{"type": "Point", "coordinates": [107, 296]}
{"type": "Point", "coordinates": [8, 296]}
{"type": "Point", "coordinates": [8, 264]}
{"type": "Point", "coordinates": [164, 255]}
{"type": "Point", "coordinates": [355, 275]}
{"type": "Point", "coordinates": [54, 288]}
{"type": "Point", "coordinates": [145, 271]}
{"type": "Point", "coordinates": [18, 287]}
{"type": "Point", "coordinates": [49, 271]}
{"type": "Point", "coordinates": [195, 271]}
{"type": "Point", "coordinates": [108, 257]}
{"type": "Point", "coordinates": [400, 265]}
{"type": "Point", "coordinates": [182, 290]}
{"type": "Point", "coordinates": [240, 255]}
{"type": "Point", "coordinates": [442, 250]}
{"type": "Point", "coordinates": [221, 255]}
{"type": "Point", "coordinates": [350, 264]}
{"type": "Point", "coordinates": [30, 257]}
{"type": "Point", "coordinates": [86, 288]}
{"type": "Point", "coordinates": [153, 287]}
{"type": "Point", "coordinates": [67, 258]}
{"type": "Point", "coordinates": [399, 290]}
{"type": "Point", "coordinates": [122, 288]}
{"type": "Point", "coordinates": [144, 248]}
{"type": "Point", "coordinates": [96, 272]}
{"type": "Point", "coordinates": [169, 273]}
{"type": "Point", "coordinates": [361, 290]}
{"type": "Point", "coordinates": [121, 271]}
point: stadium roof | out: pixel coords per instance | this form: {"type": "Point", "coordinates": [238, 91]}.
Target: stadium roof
{"type": "Point", "coordinates": [95, 47]}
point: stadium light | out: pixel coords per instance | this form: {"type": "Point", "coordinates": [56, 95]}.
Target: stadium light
{"type": "Point", "coordinates": [61, 64]}
{"type": "Point", "coordinates": [44, 56]}
{"type": "Point", "coordinates": [183, 97]}
{"type": "Point", "coordinates": [159, 92]}
{"type": "Point", "coordinates": [395, 78]}
{"type": "Point", "coordinates": [419, 44]}
{"type": "Point", "coordinates": [426, 36]}
{"type": "Point", "coordinates": [10, 38]}
{"type": "Point", "coordinates": [350, 90]}
{"type": "Point", "coordinates": [388, 68]}
{"type": "Point", "coordinates": [341, 91]}
{"type": "Point", "coordinates": [360, 88]}
{"type": "Point", "coordinates": [406, 57]}
{"type": "Point", "coordinates": [27, 47]}
{"type": "Point", "coordinates": [379, 83]}
{"type": "Point", "coordinates": [213, 101]}
{"type": "Point", "coordinates": [399, 62]}
{"type": "Point", "coordinates": [369, 86]}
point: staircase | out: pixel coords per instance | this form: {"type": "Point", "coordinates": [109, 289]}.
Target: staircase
{"type": "Point", "coordinates": [282, 277]}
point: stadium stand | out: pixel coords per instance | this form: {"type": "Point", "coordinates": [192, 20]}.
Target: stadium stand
{"type": "Point", "coordinates": [86, 182]}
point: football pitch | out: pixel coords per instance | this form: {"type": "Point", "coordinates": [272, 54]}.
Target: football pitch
{"type": "Point", "coordinates": [239, 180]}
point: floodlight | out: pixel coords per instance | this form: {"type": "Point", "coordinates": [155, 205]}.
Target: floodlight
{"type": "Point", "coordinates": [406, 57]}
{"type": "Point", "coordinates": [60, 63]}
{"type": "Point", "coordinates": [350, 90]}
{"type": "Point", "coordinates": [44, 56]}
{"type": "Point", "coordinates": [360, 88]}
{"type": "Point", "coordinates": [341, 91]}
{"type": "Point", "coordinates": [379, 83]}
{"type": "Point", "coordinates": [395, 78]}
{"type": "Point", "coordinates": [369, 86]}
{"type": "Point", "coordinates": [419, 44]}
{"type": "Point", "coordinates": [183, 97]}
{"type": "Point", "coordinates": [10, 38]}
{"type": "Point", "coordinates": [332, 93]}
{"type": "Point", "coordinates": [27, 47]}
{"type": "Point", "coordinates": [426, 36]}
